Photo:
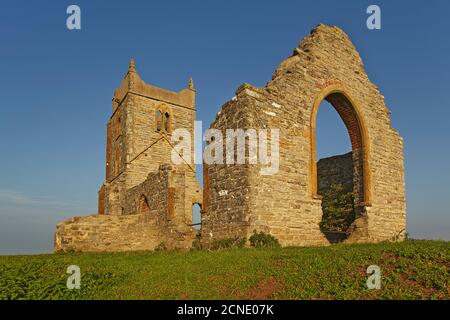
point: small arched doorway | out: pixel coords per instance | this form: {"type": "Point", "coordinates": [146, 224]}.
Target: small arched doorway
{"type": "Point", "coordinates": [342, 181]}
{"type": "Point", "coordinates": [143, 207]}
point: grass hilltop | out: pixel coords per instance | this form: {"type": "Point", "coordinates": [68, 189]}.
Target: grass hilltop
{"type": "Point", "coordinates": [409, 270]}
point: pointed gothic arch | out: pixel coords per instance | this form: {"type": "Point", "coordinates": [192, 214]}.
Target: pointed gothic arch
{"type": "Point", "coordinates": [164, 119]}
{"type": "Point", "coordinates": [143, 207]}
{"type": "Point", "coordinates": [349, 111]}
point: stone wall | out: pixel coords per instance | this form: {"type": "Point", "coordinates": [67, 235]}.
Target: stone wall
{"type": "Point", "coordinates": [239, 199]}
{"type": "Point", "coordinates": [165, 222]}
{"type": "Point", "coordinates": [117, 233]}
{"type": "Point", "coordinates": [336, 170]}
{"type": "Point", "coordinates": [170, 194]}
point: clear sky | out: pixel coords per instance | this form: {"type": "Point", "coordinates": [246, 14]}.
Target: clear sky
{"type": "Point", "coordinates": [56, 87]}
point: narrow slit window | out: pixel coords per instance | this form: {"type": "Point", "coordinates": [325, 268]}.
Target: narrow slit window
{"type": "Point", "coordinates": [158, 120]}
{"type": "Point", "coordinates": [166, 122]}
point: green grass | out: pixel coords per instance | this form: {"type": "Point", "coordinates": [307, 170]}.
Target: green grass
{"type": "Point", "coordinates": [409, 270]}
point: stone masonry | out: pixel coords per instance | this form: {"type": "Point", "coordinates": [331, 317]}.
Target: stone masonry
{"type": "Point", "coordinates": [239, 200]}
{"type": "Point", "coordinates": [146, 200]}
{"type": "Point", "coordinates": [337, 170]}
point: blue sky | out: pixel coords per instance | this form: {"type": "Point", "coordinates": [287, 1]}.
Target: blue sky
{"type": "Point", "coordinates": [56, 87]}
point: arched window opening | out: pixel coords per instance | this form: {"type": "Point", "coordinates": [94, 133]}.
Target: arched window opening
{"type": "Point", "coordinates": [340, 180]}
{"type": "Point", "coordinates": [167, 122]}
{"type": "Point", "coordinates": [196, 216]}
{"type": "Point", "coordinates": [143, 206]}
{"type": "Point", "coordinates": [159, 120]}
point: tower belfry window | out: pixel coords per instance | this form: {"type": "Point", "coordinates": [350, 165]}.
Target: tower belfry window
{"type": "Point", "coordinates": [159, 120]}
{"type": "Point", "coordinates": [167, 122]}
{"type": "Point", "coordinates": [163, 118]}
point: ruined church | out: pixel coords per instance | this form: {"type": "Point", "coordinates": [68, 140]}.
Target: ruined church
{"type": "Point", "coordinates": [146, 201]}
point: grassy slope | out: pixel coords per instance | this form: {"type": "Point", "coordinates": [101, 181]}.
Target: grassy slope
{"type": "Point", "coordinates": [410, 270]}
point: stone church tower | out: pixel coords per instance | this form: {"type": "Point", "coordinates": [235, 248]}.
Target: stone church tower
{"type": "Point", "coordinates": [146, 201]}
{"type": "Point", "coordinates": [138, 137]}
